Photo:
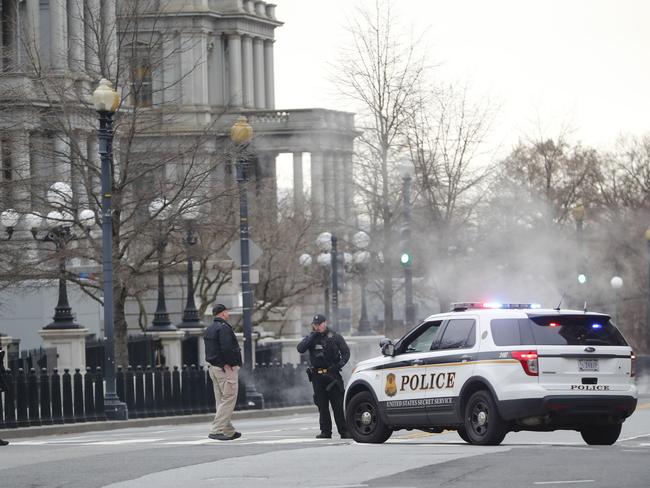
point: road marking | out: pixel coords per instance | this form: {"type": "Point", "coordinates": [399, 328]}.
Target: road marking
{"type": "Point", "coordinates": [645, 444]}
{"type": "Point", "coordinates": [28, 443]}
{"type": "Point", "coordinates": [288, 441]}
{"type": "Point", "coordinates": [117, 443]}
{"type": "Point", "coordinates": [561, 482]}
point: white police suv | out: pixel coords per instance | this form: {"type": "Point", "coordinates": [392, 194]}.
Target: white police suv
{"type": "Point", "coordinates": [485, 369]}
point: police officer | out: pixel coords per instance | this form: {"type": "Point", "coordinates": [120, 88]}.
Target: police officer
{"type": "Point", "coordinates": [328, 353]}
{"type": "Point", "coordinates": [3, 384]}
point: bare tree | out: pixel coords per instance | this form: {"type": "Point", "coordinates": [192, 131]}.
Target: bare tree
{"type": "Point", "coordinates": [383, 74]}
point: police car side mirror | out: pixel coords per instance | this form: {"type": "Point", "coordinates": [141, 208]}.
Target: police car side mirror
{"type": "Point", "coordinates": [387, 347]}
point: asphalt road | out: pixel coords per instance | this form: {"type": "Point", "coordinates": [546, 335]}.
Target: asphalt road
{"type": "Point", "coordinates": [282, 452]}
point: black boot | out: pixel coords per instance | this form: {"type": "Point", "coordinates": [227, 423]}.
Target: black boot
{"type": "Point", "coordinates": [3, 443]}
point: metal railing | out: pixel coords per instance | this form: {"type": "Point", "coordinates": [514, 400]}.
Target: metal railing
{"type": "Point", "coordinates": [39, 398]}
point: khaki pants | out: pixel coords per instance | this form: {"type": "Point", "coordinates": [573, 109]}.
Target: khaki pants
{"type": "Point", "coordinates": [226, 385]}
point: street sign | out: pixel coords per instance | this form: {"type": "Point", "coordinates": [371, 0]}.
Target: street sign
{"type": "Point", "coordinates": [254, 277]}
{"type": "Point", "coordinates": [254, 252]}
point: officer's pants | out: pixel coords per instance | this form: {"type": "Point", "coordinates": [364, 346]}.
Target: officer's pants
{"type": "Point", "coordinates": [225, 384]}
{"type": "Point", "coordinates": [324, 397]}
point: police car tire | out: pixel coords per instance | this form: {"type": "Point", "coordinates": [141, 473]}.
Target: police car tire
{"type": "Point", "coordinates": [376, 432]}
{"type": "Point", "coordinates": [483, 424]}
{"type": "Point", "coordinates": [601, 435]}
{"type": "Point", "coordinates": [463, 435]}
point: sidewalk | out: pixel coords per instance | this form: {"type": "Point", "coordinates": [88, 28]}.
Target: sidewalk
{"type": "Point", "coordinates": [24, 432]}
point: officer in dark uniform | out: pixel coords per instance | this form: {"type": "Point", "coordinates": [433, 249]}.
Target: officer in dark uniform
{"type": "Point", "coordinates": [328, 353]}
{"type": "Point", "coordinates": [3, 384]}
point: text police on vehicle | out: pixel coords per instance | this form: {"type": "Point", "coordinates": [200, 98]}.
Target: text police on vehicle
{"type": "Point", "coordinates": [485, 369]}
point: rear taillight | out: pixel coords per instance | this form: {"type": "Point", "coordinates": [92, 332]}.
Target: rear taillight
{"type": "Point", "coordinates": [633, 365]}
{"type": "Point", "coordinates": [528, 360]}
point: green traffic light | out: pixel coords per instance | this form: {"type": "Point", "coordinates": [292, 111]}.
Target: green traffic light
{"type": "Point", "coordinates": [405, 258]}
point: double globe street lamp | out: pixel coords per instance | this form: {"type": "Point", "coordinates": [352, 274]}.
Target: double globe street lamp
{"type": "Point", "coordinates": [58, 226]}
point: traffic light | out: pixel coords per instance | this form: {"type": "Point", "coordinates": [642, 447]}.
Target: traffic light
{"type": "Point", "coordinates": [582, 278]}
{"type": "Point", "coordinates": [406, 259]}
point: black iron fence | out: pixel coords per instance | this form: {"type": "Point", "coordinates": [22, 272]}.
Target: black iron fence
{"type": "Point", "coordinates": [40, 398]}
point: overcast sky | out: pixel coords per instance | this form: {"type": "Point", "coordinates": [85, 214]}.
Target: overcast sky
{"type": "Point", "coordinates": [549, 64]}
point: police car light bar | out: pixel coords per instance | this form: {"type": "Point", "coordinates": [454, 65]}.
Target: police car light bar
{"type": "Point", "coordinates": [460, 306]}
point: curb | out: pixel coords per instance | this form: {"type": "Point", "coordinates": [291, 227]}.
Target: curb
{"type": "Point", "coordinates": [46, 430]}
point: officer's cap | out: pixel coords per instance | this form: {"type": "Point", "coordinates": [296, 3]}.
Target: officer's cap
{"type": "Point", "coordinates": [218, 308]}
{"type": "Point", "coordinates": [318, 319]}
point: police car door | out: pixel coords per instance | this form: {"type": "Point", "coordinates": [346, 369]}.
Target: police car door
{"type": "Point", "coordinates": [449, 367]}
{"type": "Point", "coordinates": [403, 396]}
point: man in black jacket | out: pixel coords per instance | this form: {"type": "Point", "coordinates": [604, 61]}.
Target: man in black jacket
{"type": "Point", "coordinates": [223, 354]}
{"type": "Point", "coordinates": [328, 353]}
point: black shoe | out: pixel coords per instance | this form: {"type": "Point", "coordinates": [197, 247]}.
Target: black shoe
{"type": "Point", "coordinates": [224, 437]}
{"type": "Point", "coordinates": [3, 443]}
{"type": "Point", "coordinates": [346, 435]}
{"type": "Point", "coordinates": [324, 435]}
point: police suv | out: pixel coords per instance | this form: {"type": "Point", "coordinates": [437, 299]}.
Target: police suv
{"type": "Point", "coordinates": [485, 369]}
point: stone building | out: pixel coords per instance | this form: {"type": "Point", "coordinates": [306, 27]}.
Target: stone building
{"type": "Point", "coordinates": [192, 67]}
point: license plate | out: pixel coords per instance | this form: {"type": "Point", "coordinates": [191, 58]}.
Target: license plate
{"type": "Point", "coordinates": [588, 364]}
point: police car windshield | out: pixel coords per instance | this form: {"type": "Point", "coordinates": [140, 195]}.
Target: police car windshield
{"type": "Point", "coordinates": [557, 330]}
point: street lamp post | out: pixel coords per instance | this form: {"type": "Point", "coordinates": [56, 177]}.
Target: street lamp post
{"type": "Point", "coordinates": [191, 318]}
{"type": "Point", "coordinates": [579, 217]}
{"type": "Point", "coordinates": [106, 101]}
{"type": "Point", "coordinates": [241, 134]}
{"type": "Point", "coordinates": [159, 210]}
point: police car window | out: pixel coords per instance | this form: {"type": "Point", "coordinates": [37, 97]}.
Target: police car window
{"type": "Point", "coordinates": [575, 330]}
{"type": "Point", "coordinates": [505, 332]}
{"type": "Point", "coordinates": [422, 338]}
{"type": "Point", "coordinates": [459, 333]}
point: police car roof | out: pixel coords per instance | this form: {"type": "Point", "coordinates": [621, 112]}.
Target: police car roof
{"type": "Point", "coordinates": [510, 311]}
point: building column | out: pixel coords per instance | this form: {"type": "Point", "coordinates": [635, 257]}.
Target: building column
{"type": "Point", "coordinates": [298, 189]}
{"type": "Point", "coordinates": [216, 71]}
{"type": "Point", "coordinates": [79, 154]}
{"type": "Point", "coordinates": [21, 162]}
{"type": "Point", "coordinates": [235, 70]}
{"type": "Point", "coordinates": [247, 75]}
{"type": "Point", "coordinates": [77, 61]}
{"type": "Point", "coordinates": [58, 35]}
{"type": "Point", "coordinates": [317, 188]}
{"type": "Point", "coordinates": [269, 76]}
{"type": "Point", "coordinates": [109, 38]}
{"type": "Point", "coordinates": [348, 187]}
{"type": "Point", "coordinates": [258, 59]}
{"type": "Point", "coordinates": [339, 188]}
{"type": "Point", "coordinates": [62, 163]}
{"type": "Point", "coordinates": [328, 188]}
{"type": "Point", "coordinates": [32, 34]}
{"type": "Point", "coordinates": [92, 36]}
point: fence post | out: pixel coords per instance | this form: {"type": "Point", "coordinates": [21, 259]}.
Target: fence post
{"type": "Point", "coordinates": [78, 396]}
{"type": "Point", "coordinates": [57, 411]}
{"type": "Point", "coordinates": [139, 392]}
{"type": "Point", "coordinates": [129, 392]}
{"type": "Point", "coordinates": [195, 407]}
{"type": "Point", "coordinates": [89, 395]}
{"type": "Point", "coordinates": [167, 392]}
{"type": "Point", "coordinates": [176, 381]}
{"type": "Point", "coordinates": [186, 390]}
{"type": "Point", "coordinates": [21, 399]}
{"type": "Point", "coordinates": [10, 401]}
{"type": "Point", "coordinates": [149, 404]}
{"type": "Point", "coordinates": [2, 415]}
{"type": "Point", "coordinates": [99, 394]}
{"type": "Point", "coordinates": [32, 394]}
{"type": "Point", "coordinates": [158, 392]}
{"type": "Point", "coordinates": [203, 391]}
{"type": "Point", "coordinates": [46, 406]}
{"type": "Point", "coordinates": [68, 414]}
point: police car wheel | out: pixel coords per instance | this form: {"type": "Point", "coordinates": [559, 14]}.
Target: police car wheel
{"type": "Point", "coordinates": [463, 435]}
{"type": "Point", "coordinates": [364, 421]}
{"type": "Point", "coordinates": [601, 435]}
{"type": "Point", "coordinates": [483, 424]}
